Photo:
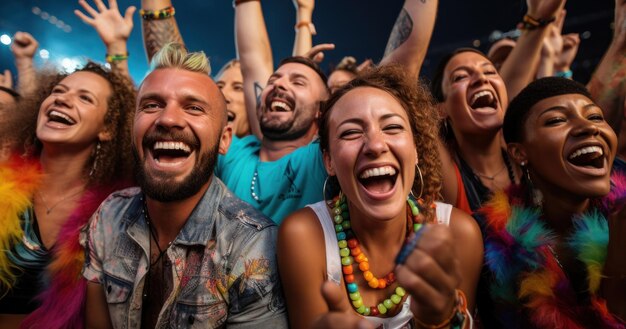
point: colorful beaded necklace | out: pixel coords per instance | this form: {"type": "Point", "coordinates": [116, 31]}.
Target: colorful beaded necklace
{"type": "Point", "coordinates": [350, 253]}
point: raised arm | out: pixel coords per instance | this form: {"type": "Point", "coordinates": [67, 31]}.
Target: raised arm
{"type": "Point", "coordinates": [527, 51]}
{"type": "Point", "coordinates": [411, 35]}
{"type": "Point", "coordinates": [305, 30]}
{"type": "Point", "coordinates": [255, 55]}
{"type": "Point", "coordinates": [24, 47]}
{"type": "Point", "coordinates": [606, 84]}
{"type": "Point", "coordinates": [113, 29]}
{"type": "Point", "coordinates": [158, 29]}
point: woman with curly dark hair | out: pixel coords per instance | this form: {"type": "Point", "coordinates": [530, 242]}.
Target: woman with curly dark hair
{"type": "Point", "coordinates": [73, 150]}
{"type": "Point", "coordinates": [378, 135]}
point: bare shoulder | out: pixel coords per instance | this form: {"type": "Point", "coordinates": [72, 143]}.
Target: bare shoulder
{"type": "Point", "coordinates": [301, 225]}
{"type": "Point", "coordinates": [464, 227]}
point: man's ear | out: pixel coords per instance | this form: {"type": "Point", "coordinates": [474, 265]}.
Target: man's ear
{"type": "Point", "coordinates": [517, 152]}
{"type": "Point", "coordinates": [328, 164]}
{"type": "Point", "coordinates": [225, 139]}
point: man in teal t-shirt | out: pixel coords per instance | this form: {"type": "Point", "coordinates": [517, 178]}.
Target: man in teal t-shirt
{"type": "Point", "coordinates": [283, 171]}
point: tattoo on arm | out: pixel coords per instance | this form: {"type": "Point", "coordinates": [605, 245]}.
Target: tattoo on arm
{"type": "Point", "coordinates": [400, 32]}
{"type": "Point", "coordinates": [257, 93]}
{"type": "Point", "coordinates": [159, 32]}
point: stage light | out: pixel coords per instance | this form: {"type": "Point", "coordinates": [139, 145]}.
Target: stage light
{"type": "Point", "coordinates": [44, 54]}
{"type": "Point", "coordinates": [5, 39]}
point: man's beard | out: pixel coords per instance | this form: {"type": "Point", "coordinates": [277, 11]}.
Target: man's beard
{"type": "Point", "coordinates": [161, 187]}
{"type": "Point", "coordinates": [294, 128]}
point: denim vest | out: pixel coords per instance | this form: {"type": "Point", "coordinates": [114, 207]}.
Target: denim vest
{"type": "Point", "coordinates": [230, 279]}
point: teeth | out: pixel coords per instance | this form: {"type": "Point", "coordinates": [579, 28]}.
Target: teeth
{"type": "Point", "coordinates": [381, 171]}
{"type": "Point", "coordinates": [585, 150]}
{"type": "Point", "coordinates": [61, 115]}
{"type": "Point", "coordinates": [172, 146]}
{"type": "Point", "coordinates": [481, 94]}
{"type": "Point", "coordinates": [282, 105]}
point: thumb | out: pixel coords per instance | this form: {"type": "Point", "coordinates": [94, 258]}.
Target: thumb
{"type": "Point", "coordinates": [334, 298]}
{"type": "Point", "coordinates": [128, 15]}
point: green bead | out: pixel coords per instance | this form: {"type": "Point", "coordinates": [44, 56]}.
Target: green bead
{"type": "Point", "coordinates": [388, 303]}
{"type": "Point", "coordinates": [416, 227]}
{"type": "Point", "coordinates": [367, 311]}
{"type": "Point", "coordinates": [346, 224]}
{"type": "Point", "coordinates": [415, 210]}
{"type": "Point", "coordinates": [345, 261]}
{"type": "Point", "coordinates": [338, 219]}
{"type": "Point", "coordinates": [396, 299]}
{"type": "Point", "coordinates": [361, 309]}
{"type": "Point", "coordinates": [357, 303]}
{"type": "Point", "coordinates": [342, 243]}
{"type": "Point", "coordinates": [337, 211]}
{"type": "Point", "coordinates": [344, 252]}
{"type": "Point", "coordinates": [400, 291]}
{"type": "Point", "coordinates": [354, 295]}
{"type": "Point", "coordinates": [381, 308]}
{"type": "Point", "coordinates": [344, 206]}
{"type": "Point", "coordinates": [345, 215]}
{"type": "Point", "coordinates": [338, 228]}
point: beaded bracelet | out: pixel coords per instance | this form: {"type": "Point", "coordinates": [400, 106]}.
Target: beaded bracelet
{"type": "Point", "coordinates": [116, 57]}
{"type": "Point", "coordinates": [530, 23]}
{"type": "Point", "coordinates": [10, 91]}
{"type": "Point", "coordinates": [564, 74]}
{"type": "Point", "coordinates": [456, 319]}
{"type": "Point", "coordinates": [164, 13]}
{"type": "Point", "coordinates": [307, 24]}
{"type": "Point", "coordinates": [238, 2]}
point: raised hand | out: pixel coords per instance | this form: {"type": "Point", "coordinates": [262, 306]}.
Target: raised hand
{"type": "Point", "coordinates": [317, 52]}
{"type": "Point", "coordinates": [24, 46]}
{"type": "Point", "coordinates": [340, 313]}
{"type": "Point", "coordinates": [304, 4]}
{"type": "Point", "coordinates": [108, 22]}
{"type": "Point", "coordinates": [544, 9]}
{"type": "Point", "coordinates": [431, 275]}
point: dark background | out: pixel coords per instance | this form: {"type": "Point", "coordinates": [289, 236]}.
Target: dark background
{"type": "Point", "coordinates": [358, 28]}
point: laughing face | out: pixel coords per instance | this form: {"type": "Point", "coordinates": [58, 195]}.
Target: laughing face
{"type": "Point", "coordinates": [73, 114]}
{"type": "Point", "coordinates": [372, 151]}
{"type": "Point", "coordinates": [179, 128]}
{"type": "Point", "coordinates": [568, 146]}
{"type": "Point", "coordinates": [475, 95]}
{"type": "Point", "coordinates": [290, 102]}
{"type": "Point", "coordinates": [230, 83]}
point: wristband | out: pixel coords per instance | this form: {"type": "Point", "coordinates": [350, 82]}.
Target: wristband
{"type": "Point", "coordinates": [307, 24]}
{"type": "Point", "coordinates": [116, 57]}
{"type": "Point", "coordinates": [530, 23]}
{"type": "Point", "coordinates": [564, 74]}
{"type": "Point", "coordinates": [150, 15]}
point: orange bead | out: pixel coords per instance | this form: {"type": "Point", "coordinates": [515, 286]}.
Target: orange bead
{"type": "Point", "coordinates": [349, 278]}
{"type": "Point", "coordinates": [368, 276]}
{"type": "Point", "coordinates": [360, 258]}
{"type": "Point", "coordinates": [382, 283]}
{"type": "Point", "coordinates": [347, 269]}
{"type": "Point", "coordinates": [373, 283]}
{"type": "Point", "coordinates": [364, 266]}
{"type": "Point", "coordinates": [353, 243]}
{"type": "Point", "coordinates": [355, 251]}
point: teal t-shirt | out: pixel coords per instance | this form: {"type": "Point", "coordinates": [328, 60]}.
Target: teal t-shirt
{"type": "Point", "coordinates": [282, 186]}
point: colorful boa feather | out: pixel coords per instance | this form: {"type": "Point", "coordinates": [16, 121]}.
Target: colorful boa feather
{"type": "Point", "coordinates": [19, 177]}
{"type": "Point", "coordinates": [527, 277]}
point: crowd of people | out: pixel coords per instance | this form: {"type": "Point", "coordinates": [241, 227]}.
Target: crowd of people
{"type": "Point", "coordinates": [285, 197]}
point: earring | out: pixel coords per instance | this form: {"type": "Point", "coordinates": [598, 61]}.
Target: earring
{"type": "Point", "coordinates": [328, 195]}
{"type": "Point", "coordinates": [419, 173]}
{"type": "Point", "coordinates": [95, 160]}
{"type": "Point", "coordinates": [534, 194]}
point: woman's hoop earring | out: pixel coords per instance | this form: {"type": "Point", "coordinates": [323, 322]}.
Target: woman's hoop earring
{"type": "Point", "coordinates": [419, 172]}
{"type": "Point", "coordinates": [325, 193]}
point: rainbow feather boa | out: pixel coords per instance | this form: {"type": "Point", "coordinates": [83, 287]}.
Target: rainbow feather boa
{"type": "Point", "coordinates": [527, 279]}
{"type": "Point", "coordinates": [63, 301]}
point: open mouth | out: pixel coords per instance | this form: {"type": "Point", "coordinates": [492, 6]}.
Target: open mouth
{"type": "Point", "coordinates": [170, 152]}
{"type": "Point", "coordinates": [62, 118]}
{"type": "Point", "coordinates": [280, 106]}
{"type": "Point", "coordinates": [588, 157]}
{"type": "Point", "coordinates": [483, 99]}
{"type": "Point", "coordinates": [378, 180]}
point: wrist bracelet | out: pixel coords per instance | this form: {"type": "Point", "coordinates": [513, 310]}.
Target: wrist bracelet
{"type": "Point", "coordinates": [238, 2]}
{"type": "Point", "coordinates": [10, 91]}
{"type": "Point", "coordinates": [307, 24]}
{"type": "Point", "coordinates": [116, 57]}
{"type": "Point", "coordinates": [456, 320]}
{"type": "Point", "coordinates": [150, 15]}
{"type": "Point", "coordinates": [530, 23]}
{"type": "Point", "coordinates": [564, 74]}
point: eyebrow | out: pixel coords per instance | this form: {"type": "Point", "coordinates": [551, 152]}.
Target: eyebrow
{"type": "Point", "coordinates": [82, 91]}
{"type": "Point", "coordinates": [186, 97]}
{"type": "Point", "coordinates": [467, 68]}
{"type": "Point", "coordinates": [563, 108]}
{"type": "Point", "coordinates": [360, 121]}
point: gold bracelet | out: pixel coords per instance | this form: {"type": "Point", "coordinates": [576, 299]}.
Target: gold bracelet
{"type": "Point", "coordinates": [307, 24]}
{"type": "Point", "coordinates": [150, 15]}
{"type": "Point", "coordinates": [116, 57]}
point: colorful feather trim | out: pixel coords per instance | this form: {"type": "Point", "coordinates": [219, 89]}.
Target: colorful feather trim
{"type": "Point", "coordinates": [526, 274]}
{"type": "Point", "coordinates": [62, 303]}
{"type": "Point", "coordinates": [19, 178]}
